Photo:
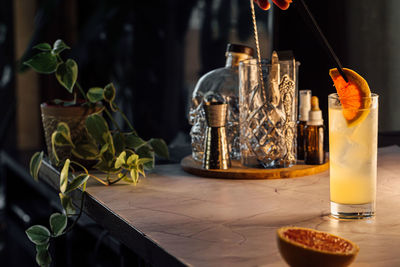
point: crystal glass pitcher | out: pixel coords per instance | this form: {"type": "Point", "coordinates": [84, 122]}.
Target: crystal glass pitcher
{"type": "Point", "coordinates": [268, 112]}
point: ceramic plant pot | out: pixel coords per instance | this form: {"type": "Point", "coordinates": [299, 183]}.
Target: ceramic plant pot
{"type": "Point", "coordinates": [74, 116]}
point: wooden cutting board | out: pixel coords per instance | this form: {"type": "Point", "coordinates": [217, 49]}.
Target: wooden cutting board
{"type": "Point", "coordinates": [238, 171]}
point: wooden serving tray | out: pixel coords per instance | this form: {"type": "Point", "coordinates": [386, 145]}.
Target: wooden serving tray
{"type": "Point", "coordinates": [238, 171]}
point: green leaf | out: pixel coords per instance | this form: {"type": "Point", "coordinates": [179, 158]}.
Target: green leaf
{"type": "Point", "coordinates": [43, 47]}
{"type": "Point", "coordinates": [64, 103]}
{"type": "Point", "coordinates": [64, 176]}
{"type": "Point", "coordinates": [77, 182]}
{"type": "Point", "coordinates": [53, 150]}
{"type": "Point", "coordinates": [59, 46]}
{"type": "Point", "coordinates": [109, 92]}
{"type": "Point", "coordinates": [104, 148]}
{"type": "Point", "coordinates": [97, 127]}
{"type": "Point", "coordinates": [38, 234]}
{"type": "Point", "coordinates": [67, 74]}
{"type": "Point", "coordinates": [59, 139]}
{"type": "Point", "coordinates": [120, 160]}
{"type": "Point", "coordinates": [58, 222]}
{"type": "Point", "coordinates": [132, 159]}
{"type": "Point", "coordinates": [43, 62]}
{"type": "Point", "coordinates": [104, 166]}
{"type": "Point", "coordinates": [43, 257]}
{"type": "Point", "coordinates": [135, 176]}
{"type": "Point", "coordinates": [35, 163]}
{"type": "Point", "coordinates": [110, 142]}
{"type": "Point", "coordinates": [44, 246]}
{"type": "Point", "coordinates": [58, 101]}
{"type": "Point", "coordinates": [69, 103]}
{"type": "Point", "coordinates": [127, 179]}
{"type": "Point", "coordinates": [134, 142]}
{"type": "Point", "coordinates": [66, 202]}
{"type": "Point", "coordinates": [143, 161]}
{"type": "Point", "coordinates": [140, 170]}
{"type": "Point", "coordinates": [62, 135]}
{"type": "Point", "coordinates": [88, 151]}
{"type": "Point", "coordinates": [113, 107]}
{"type": "Point", "coordinates": [129, 152]}
{"type": "Point", "coordinates": [119, 142]}
{"type": "Point", "coordinates": [145, 152]}
{"type": "Point", "coordinates": [95, 94]}
{"type": "Point", "coordinates": [160, 147]}
{"type": "Point", "coordinates": [63, 128]}
{"type": "Point", "coordinates": [109, 158]}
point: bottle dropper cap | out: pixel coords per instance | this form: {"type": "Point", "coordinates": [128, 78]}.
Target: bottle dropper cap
{"type": "Point", "coordinates": [305, 104]}
{"type": "Point", "coordinates": [315, 114]}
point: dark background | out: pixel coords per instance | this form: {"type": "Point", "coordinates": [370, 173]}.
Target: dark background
{"type": "Point", "coordinates": [141, 47]}
{"type": "Point", "coordinates": [148, 50]}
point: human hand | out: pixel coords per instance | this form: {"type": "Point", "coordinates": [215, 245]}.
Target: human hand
{"type": "Point", "coordinates": [265, 5]}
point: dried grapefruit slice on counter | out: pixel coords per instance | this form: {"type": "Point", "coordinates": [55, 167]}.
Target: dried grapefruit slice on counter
{"type": "Point", "coordinates": [302, 247]}
{"type": "Point", "coordinates": [353, 95]}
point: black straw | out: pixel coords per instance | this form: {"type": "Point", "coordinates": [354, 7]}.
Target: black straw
{"type": "Point", "coordinates": [303, 9]}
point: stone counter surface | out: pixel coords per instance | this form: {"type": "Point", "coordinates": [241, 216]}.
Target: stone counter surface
{"type": "Point", "coordinates": [219, 222]}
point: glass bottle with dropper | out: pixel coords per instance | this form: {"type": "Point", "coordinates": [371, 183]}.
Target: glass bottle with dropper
{"type": "Point", "coordinates": [304, 109]}
{"type": "Point", "coordinates": [314, 135]}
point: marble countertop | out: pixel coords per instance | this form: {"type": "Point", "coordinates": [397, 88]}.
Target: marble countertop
{"type": "Point", "coordinates": [219, 222]}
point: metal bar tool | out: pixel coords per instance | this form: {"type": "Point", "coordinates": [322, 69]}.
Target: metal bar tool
{"type": "Point", "coordinates": [216, 151]}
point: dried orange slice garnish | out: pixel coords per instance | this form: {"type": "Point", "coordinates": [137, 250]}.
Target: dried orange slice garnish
{"type": "Point", "coordinates": [265, 5]}
{"type": "Point", "coordinates": [308, 247]}
{"type": "Point", "coordinates": [282, 4]}
{"type": "Point", "coordinates": [353, 95]}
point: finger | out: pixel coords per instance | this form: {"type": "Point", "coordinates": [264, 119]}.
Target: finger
{"type": "Point", "coordinates": [282, 4]}
{"type": "Point", "coordinates": [263, 4]}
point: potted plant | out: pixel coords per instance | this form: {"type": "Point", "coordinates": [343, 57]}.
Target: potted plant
{"type": "Point", "coordinates": [78, 137]}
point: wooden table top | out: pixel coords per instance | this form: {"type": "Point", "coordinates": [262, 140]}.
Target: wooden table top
{"type": "Point", "coordinates": [218, 222]}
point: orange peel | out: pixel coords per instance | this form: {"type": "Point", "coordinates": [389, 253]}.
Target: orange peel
{"type": "Point", "coordinates": [354, 95]}
{"type": "Point", "coordinates": [265, 5]}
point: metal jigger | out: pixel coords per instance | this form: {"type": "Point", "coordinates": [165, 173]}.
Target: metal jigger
{"type": "Point", "coordinates": [216, 152]}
